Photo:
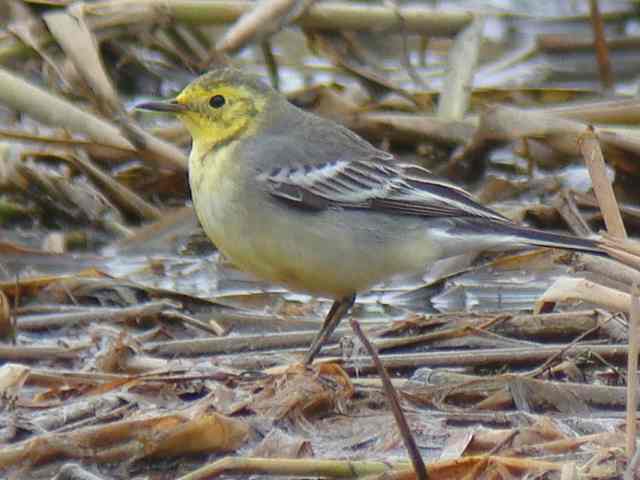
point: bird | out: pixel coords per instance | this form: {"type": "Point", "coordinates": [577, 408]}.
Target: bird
{"type": "Point", "coordinates": [302, 201]}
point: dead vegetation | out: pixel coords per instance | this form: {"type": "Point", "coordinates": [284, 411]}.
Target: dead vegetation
{"type": "Point", "coordinates": [131, 349]}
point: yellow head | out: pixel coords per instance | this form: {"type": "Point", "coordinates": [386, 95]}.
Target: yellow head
{"type": "Point", "coordinates": [218, 107]}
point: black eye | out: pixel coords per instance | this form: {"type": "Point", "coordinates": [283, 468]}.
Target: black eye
{"type": "Point", "coordinates": [217, 101]}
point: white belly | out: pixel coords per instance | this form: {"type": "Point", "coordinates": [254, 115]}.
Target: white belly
{"type": "Point", "coordinates": [332, 253]}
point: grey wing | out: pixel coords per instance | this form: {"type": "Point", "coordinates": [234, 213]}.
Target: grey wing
{"type": "Point", "coordinates": [373, 183]}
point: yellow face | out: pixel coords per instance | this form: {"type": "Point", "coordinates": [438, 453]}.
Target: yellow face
{"type": "Point", "coordinates": [216, 113]}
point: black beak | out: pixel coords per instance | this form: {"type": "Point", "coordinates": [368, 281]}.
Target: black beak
{"type": "Point", "coordinates": [171, 106]}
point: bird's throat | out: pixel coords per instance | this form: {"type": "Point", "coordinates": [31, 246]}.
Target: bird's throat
{"type": "Point", "coordinates": [208, 140]}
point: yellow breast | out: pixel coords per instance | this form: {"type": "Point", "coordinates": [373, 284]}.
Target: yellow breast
{"type": "Point", "coordinates": [225, 209]}
{"type": "Point", "coordinates": [211, 177]}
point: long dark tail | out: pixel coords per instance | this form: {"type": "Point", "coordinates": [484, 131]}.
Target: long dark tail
{"type": "Point", "coordinates": [540, 238]}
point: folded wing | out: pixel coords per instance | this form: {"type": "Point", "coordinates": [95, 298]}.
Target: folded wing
{"type": "Point", "coordinates": [374, 184]}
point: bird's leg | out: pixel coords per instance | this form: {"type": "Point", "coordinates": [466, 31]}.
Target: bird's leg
{"type": "Point", "coordinates": [338, 310]}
